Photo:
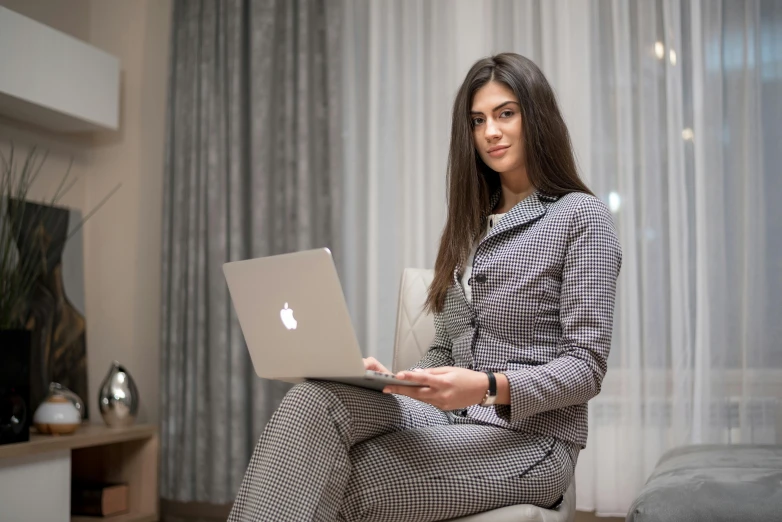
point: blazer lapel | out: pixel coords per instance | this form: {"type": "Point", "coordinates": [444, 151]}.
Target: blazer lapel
{"type": "Point", "coordinates": [527, 210]}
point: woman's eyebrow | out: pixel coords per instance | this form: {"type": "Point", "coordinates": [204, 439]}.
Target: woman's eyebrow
{"type": "Point", "coordinates": [498, 107]}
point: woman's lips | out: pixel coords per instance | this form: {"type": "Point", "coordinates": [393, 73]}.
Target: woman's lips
{"type": "Point", "coordinates": [499, 152]}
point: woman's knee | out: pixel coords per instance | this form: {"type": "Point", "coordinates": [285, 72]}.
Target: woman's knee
{"type": "Point", "coordinates": [330, 391]}
{"type": "Point", "coordinates": [304, 404]}
{"type": "Point", "coordinates": [308, 393]}
{"type": "Point", "coordinates": [313, 396]}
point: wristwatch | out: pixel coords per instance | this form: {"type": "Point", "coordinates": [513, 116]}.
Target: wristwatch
{"type": "Point", "coordinates": [491, 393]}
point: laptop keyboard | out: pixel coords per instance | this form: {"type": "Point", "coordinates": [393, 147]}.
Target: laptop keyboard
{"type": "Point", "coordinates": [381, 374]}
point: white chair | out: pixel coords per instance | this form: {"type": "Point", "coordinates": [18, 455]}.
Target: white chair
{"type": "Point", "coordinates": [414, 334]}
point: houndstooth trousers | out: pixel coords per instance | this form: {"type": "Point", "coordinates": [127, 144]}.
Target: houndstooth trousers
{"type": "Point", "coordinates": [338, 452]}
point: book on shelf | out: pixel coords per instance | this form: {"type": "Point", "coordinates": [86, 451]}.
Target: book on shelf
{"type": "Point", "coordinates": [101, 499]}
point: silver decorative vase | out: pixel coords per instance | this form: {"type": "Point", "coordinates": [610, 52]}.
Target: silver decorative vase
{"type": "Point", "coordinates": [118, 399]}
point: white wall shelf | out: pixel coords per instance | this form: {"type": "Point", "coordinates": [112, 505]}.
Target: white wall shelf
{"type": "Point", "coordinates": [36, 476]}
{"type": "Point", "coordinates": [55, 81]}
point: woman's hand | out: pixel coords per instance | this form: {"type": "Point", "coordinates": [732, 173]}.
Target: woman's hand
{"type": "Point", "coordinates": [449, 388]}
{"type": "Point", "coordinates": [370, 363]}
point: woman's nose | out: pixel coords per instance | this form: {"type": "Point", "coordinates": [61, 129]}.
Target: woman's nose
{"type": "Point", "coordinates": [492, 130]}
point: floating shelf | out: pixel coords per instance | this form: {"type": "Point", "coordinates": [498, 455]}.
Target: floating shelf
{"type": "Point", "coordinates": [55, 81]}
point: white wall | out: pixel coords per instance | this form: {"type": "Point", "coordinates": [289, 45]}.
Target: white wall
{"type": "Point", "coordinates": [36, 487]}
{"type": "Point", "coordinates": [122, 241]}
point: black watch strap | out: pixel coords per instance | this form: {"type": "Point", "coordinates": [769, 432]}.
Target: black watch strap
{"type": "Point", "coordinates": [492, 384]}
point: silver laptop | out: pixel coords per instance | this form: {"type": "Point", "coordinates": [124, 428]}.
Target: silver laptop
{"type": "Point", "coordinates": [295, 321]}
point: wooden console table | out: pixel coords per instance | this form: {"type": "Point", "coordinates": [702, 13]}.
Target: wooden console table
{"type": "Point", "coordinates": [35, 476]}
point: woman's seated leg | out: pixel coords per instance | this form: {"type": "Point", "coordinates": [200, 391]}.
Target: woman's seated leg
{"type": "Point", "coordinates": [443, 472]}
{"type": "Point", "coordinates": [300, 466]}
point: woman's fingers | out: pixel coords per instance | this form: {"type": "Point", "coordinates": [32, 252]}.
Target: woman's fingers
{"type": "Point", "coordinates": [416, 392]}
{"type": "Point", "coordinates": [370, 363]}
{"type": "Point", "coordinates": [433, 396]}
{"type": "Point", "coordinates": [429, 383]}
{"type": "Point", "coordinates": [420, 377]}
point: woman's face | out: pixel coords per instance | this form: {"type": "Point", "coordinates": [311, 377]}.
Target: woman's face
{"type": "Point", "coordinates": [496, 124]}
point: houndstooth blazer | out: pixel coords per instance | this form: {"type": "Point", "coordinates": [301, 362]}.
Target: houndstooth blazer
{"type": "Point", "coordinates": [543, 286]}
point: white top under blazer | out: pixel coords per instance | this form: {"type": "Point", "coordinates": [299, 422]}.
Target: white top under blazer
{"type": "Point", "coordinates": [493, 220]}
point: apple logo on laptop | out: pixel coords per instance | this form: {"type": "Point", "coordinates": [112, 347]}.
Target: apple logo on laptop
{"type": "Point", "coordinates": [286, 314]}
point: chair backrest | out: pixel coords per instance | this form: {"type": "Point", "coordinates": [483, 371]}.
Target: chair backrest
{"type": "Point", "coordinates": [414, 327]}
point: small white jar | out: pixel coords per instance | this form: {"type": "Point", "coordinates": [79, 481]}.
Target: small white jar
{"type": "Point", "coordinates": [57, 416]}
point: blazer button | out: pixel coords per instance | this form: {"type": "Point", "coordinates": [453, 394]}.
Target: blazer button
{"type": "Point", "coordinates": [472, 323]}
{"type": "Point", "coordinates": [480, 278]}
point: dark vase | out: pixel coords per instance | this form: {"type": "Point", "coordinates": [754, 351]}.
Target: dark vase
{"type": "Point", "coordinates": [16, 411]}
{"type": "Point", "coordinates": [58, 340]}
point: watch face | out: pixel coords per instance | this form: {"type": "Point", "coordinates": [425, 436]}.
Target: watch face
{"type": "Point", "coordinates": [488, 400]}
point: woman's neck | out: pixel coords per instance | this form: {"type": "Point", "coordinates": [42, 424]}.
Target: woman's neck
{"type": "Point", "coordinates": [515, 188]}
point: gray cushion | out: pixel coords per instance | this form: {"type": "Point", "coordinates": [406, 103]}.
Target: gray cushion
{"type": "Point", "coordinates": [713, 483]}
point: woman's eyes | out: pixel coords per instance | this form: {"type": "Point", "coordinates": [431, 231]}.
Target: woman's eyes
{"type": "Point", "coordinates": [504, 114]}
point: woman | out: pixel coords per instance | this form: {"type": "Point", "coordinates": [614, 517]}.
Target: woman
{"type": "Point", "coordinates": [523, 298]}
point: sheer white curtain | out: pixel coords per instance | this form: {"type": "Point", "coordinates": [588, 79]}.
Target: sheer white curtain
{"type": "Point", "coordinates": [675, 109]}
{"type": "Point", "coordinates": [404, 62]}
{"type": "Point", "coordinates": [685, 103]}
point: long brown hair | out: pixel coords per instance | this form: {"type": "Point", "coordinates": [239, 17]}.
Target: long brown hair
{"type": "Point", "coordinates": [551, 166]}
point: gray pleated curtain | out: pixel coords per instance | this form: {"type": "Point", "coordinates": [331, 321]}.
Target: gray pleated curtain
{"type": "Point", "coordinates": [252, 169]}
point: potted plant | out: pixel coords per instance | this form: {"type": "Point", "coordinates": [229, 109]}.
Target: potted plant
{"type": "Point", "coordinates": [32, 238]}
